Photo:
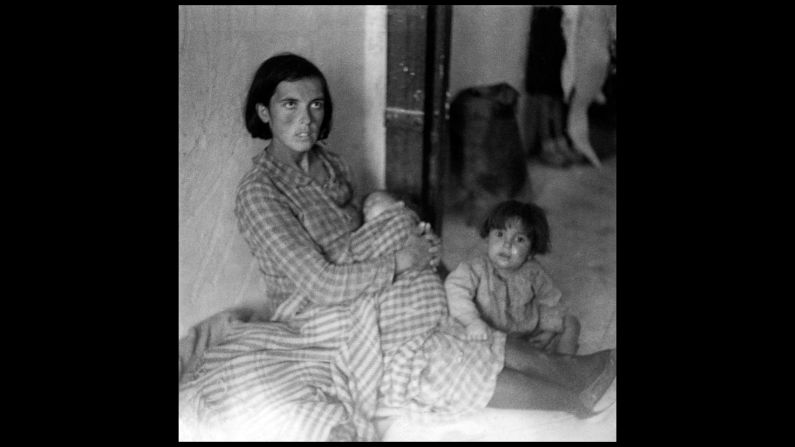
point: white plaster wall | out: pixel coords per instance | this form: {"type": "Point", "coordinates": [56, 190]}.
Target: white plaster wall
{"type": "Point", "coordinates": [488, 46]}
{"type": "Point", "coordinates": [220, 47]}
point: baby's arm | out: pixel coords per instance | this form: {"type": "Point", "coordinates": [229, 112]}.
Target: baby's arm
{"type": "Point", "coordinates": [461, 286]}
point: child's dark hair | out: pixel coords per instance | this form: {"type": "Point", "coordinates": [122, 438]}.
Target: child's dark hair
{"type": "Point", "coordinates": [282, 67]}
{"type": "Point", "coordinates": [532, 216]}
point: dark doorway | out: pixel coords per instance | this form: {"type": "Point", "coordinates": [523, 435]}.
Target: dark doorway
{"type": "Point", "coordinates": [418, 49]}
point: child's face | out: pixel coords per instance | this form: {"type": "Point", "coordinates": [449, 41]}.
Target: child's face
{"type": "Point", "coordinates": [509, 247]}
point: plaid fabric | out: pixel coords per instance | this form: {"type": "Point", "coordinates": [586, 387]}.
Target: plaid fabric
{"type": "Point", "coordinates": [290, 222]}
{"type": "Point", "coordinates": [431, 372]}
{"type": "Point", "coordinates": [291, 381]}
{"type": "Point", "coordinates": [315, 372]}
{"type": "Point", "coordinates": [381, 236]}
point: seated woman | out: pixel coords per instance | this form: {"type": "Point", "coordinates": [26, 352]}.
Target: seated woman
{"type": "Point", "coordinates": [348, 341]}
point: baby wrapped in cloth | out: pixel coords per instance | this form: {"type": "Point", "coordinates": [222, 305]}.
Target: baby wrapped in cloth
{"type": "Point", "coordinates": [379, 209]}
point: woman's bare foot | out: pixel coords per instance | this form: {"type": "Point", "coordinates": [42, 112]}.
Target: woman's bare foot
{"type": "Point", "coordinates": [594, 391]}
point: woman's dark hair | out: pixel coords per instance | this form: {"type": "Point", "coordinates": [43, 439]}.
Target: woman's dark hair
{"type": "Point", "coordinates": [532, 216]}
{"type": "Point", "coordinates": [282, 67]}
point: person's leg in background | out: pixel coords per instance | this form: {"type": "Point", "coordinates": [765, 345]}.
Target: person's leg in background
{"type": "Point", "coordinates": [585, 68]}
{"type": "Point", "coordinates": [546, 51]}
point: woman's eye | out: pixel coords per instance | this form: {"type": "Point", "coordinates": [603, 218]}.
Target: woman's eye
{"type": "Point", "coordinates": [521, 239]}
{"type": "Point", "coordinates": [498, 233]}
{"type": "Point", "coordinates": [317, 105]}
{"type": "Point", "coordinates": [289, 104]}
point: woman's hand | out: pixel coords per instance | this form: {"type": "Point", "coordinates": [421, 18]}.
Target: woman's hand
{"type": "Point", "coordinates": [424, 230]}
{"type": "Point", "coordinates": [541, 340]}
{"type": "Point", "coordinates": [416, 255]}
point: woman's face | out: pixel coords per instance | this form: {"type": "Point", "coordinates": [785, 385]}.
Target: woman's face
{"type": "Point", "coordinates": [295, 114]}
{"type": "Point", "coordinates": [509, 247]}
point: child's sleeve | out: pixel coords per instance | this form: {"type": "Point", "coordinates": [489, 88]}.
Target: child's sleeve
{"type": "Point", "coordinates": [461, 287]}
{"type": "Point", "coordinates": [551, 310]}
{"type": "Point", "coordinates": [550, 318]}
{"type": "Point", "coordinates": [545, 290]}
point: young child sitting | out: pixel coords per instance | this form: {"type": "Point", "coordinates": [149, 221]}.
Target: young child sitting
{"type": "Point", "coordinates": [507, 289]}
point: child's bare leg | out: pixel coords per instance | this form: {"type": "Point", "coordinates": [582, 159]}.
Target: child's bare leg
{"type": "Point", "coordinates": [571, 371]}
{"type": "Point", "coordinates": [516, 390]}
{"type": "Point", "coordinates": [569, 341]}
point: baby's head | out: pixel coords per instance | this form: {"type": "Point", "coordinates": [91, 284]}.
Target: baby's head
{"type": "Point", "coordinates": [515, 231]}
{"type": "Point", "coordinates": [376, 203]}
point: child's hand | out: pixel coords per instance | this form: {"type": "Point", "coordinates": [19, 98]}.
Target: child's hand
{"type": "Point", "coordinates": [541, 339]}
{"type": "Point", "coordinates": [551, 318]}
{"type": "Point", "coordinates": [477, 331]}
{"type": "Point", "coordinates": [424, 230]}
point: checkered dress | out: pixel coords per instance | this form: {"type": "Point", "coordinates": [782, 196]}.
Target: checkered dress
{"type": "Point", "coordinates": [381, 236]}
{"type": "Point", "coordinates": [344, 339]}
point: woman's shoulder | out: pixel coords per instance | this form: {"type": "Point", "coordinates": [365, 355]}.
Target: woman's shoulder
{"type": "Point", "coordinates": [323, 148]}
{"type": "Point", "coordinates": [256, 182]}
{"type": "Point", "coordinates": [254, 177]}
{"type": "Point", "coordinates": [333, 157]}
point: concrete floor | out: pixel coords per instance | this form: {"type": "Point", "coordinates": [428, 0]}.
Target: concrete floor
{"type": "Point", "coordinates": [581, 207]}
